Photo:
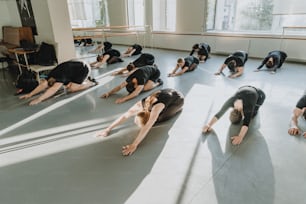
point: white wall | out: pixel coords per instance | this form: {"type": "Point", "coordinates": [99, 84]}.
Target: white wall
{"type": "Point", "coordinates": [52, 23]}
{"type": "Point", "coordinates": [117, 12]}
{"type": "Point", "coordinates": [257, 47]}
{"type": "Point", "coordinates": [61, 29]}
{"type": "Point", "coordinates": [190, 16]}
{"type": "Point", "coordinates": [9, 15]}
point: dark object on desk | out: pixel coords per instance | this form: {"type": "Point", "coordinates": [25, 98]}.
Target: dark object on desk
{"type": "Point", "coordinates": [28, 45]}
{"type": "Point", "coordinates": [26, 82]}
{"type": "Point", "coordinates": [46, 55]}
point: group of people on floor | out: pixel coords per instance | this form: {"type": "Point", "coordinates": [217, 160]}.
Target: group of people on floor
{"type": "Point", "coordinates": [143, 75]}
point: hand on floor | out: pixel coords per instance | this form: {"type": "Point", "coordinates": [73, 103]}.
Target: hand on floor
{"type": "Point", "coordinates": [236, 140]}
{"type": "Point", "coordinates": [103, 133]}
{"type": "Point", "coordinates": [128, 150]}
{"type": "Point", "coordinates": [294, 131]}
{"type": "Point", "coordinates": [206, 129]}
{"type": "Point", "coordinates": [35, 101]}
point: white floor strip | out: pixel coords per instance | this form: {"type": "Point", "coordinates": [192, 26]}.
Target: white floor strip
{"type": "Point", "coordinates": [178, 152]}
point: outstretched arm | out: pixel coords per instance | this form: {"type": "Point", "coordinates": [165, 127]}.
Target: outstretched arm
{"type": "Point", "coordinates": [262, 63]}
{"type": "Point", "coordinates": [42, 86]}
{"type": "Point", "coordinates": [131, 112]}
{"type": "Point", "coordinates": [50, 92]}
{"type": "Point", "coordinates": [121, 71]}
{"type": "Point", "coordinates": [237, 139]}
{"type": "Point", "coordinates": [207, 127]}
{"type": "Point", "coordinates": [156, 110]}
{"type": "Point", "coordinates": [221, 69]}
{"type": "Point", "coordinates": [135, 93]}
{"type": "Point", "coordinates": [114, 90]}
{"type": "Point", "coordinates": [219, 114]}
{"type": "Point", "coordinates": [238, 73]}
{"type": "Point", "coordinates": [182, 71]}
{"type": "Point", "coordinates": [173, 72]}
{"type": "Point", "coordinates": [294, 130]}
{"type": "Point", "coordinates": [129, 52]}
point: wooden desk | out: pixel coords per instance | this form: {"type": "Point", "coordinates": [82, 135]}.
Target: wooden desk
{"type": "Point", "coordinates": [21, 52]}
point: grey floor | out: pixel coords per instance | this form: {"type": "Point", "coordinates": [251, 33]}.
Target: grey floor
{"type": "Point", "coordinates": [49, 155]}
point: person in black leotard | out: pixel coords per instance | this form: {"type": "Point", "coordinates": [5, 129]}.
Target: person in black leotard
{"type": "Point", "coordinates": [143, 60]}
{"type": "Point", "coordinates": [74, 75]}
{"type": "Point", "coordinates": [203, 51]}
{"type": "Point", "coordinates": [109, 56]}
{"type": "Point", "coordinates": [299, 110]}
{"type": "Point", "coordinates": [142, 79]}
{"type": "Point", "coordinates": [245, 103]}
{"type": "Point", "coordinates": [187, 64]}
{"type": "Point", "coordinates": [132, 50]}
{"type": "Point", "coordinates": [157, 107]}
{"type": "Point", "coordinates": [273, 61]}
{"type": "Point", "coordinates": [235, 62]}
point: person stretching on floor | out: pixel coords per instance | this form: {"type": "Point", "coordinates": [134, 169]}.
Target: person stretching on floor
{"type": "Point", "coordinates": [143, 60]}
{"type": "Point", "coordinates": [132, 50]}
{"type": "Point", "coordinates": [186, 64]}
{"type": "Point", "coordinates": [143, 79]}
{"type": "Point", "coordinates": [235, 63]}
{"type": "Point", "coordinates": [203, 51]}
{"type": "Point", "coordinates": [157, 107]}
{"type": "Point", "coordinates": [298, 111]}
{"type": "Point", "coordinates": [273, 61]}
{"type": "Point", "coordinates": [74, 75]}
{"type": "Point", "coordinates": [110, 56]}
{"type": "Point", "coordinates": [245, 102]}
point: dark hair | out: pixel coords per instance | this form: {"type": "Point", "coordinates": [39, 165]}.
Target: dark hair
{"type": "Point", "coordinates": [51, 81]}
{"type": "Point", "coordinates": [269, 64]}
{"type": "Point", "coordinates": [107, 45]}
{"type": "Point", "coordinates": [130, 67]}
{"type": "Point", "coordinates": [231, 65]}
{"type": "Point", "coordinates": [143, 117]}
{"type": "Point", "coordinates": [130, 87]}
{"type": "Point", "coordinates": [235, 116]}
{"type": "Point", "coordinates": [195, 46]}
{"type": "Point", "coordinates": [99, 58]}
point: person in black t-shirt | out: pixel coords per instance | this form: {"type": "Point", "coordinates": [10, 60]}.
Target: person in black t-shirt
{"type": "Point", "coordinates": [235, 62]}
{"type": "Point", "coordinates": [299, 110]}
{"type": "Point", "coordinates": [245, 103]}
{"type": "Point", "coordinates": [74, 75]}
{"type": "Point", "coordinates": [186, 64]}
{"type": "Point", "coordinates": [132, 50]}
{"type": "Point", "coordinates": [273, 61]}
{"type": "Point", "coordinates": [203, 51]}
{"type": "Point", "coordinates": [143, 60]}
{"type": "Point", "coordinates": [143, 79]}
{"type": "Point", "coordinates": [157, 107]}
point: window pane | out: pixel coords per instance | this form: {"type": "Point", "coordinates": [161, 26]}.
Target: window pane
{"type": "Point", "coordinates": [254, 16]}
{"type": "Point", "coordinates": [164, 15]}
{"type": "Point", "coordinates": [88, 13]}
{"type": "Point", "coordinates": [136, 12]}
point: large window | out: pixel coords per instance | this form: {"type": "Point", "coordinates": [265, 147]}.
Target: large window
{"type": "Point", "coordinates": [253, 16]}
{"type": "Point", "coordinates": [136, 12]}
{"type": "Point", "coordinates": [164, 15]}
{"type": "Point", "coordinates": [88, 13]}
